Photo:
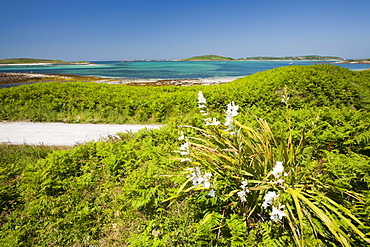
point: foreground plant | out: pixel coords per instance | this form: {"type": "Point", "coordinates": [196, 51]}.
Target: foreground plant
{"type": "Point", "coordinates": [244, 170]}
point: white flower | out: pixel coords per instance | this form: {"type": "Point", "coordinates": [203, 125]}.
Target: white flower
{"type": "Point", "coordinates": [269, 198]}
{"type": "Point", "coordinates": [232, 109]}
{"type": "Point", "coordinates": [197, 181]}
{"type": "Point", "coordinates": [285, 98]}
{"type": "Point", "coordinates": [208, 175]}
{"type": "Point", "coordinates": [211, 193]}
{"type": "Point", "coordinates": [214, 122]}
{"type": "Point", "coordinates": [197, 171]}
{"type": "Point", "coordinates": [278, 169]}
{"type": "Point", "coordinates": [201, 99]}
{"type": "Point", "coordinates": [186, 159]}
{"type": "Point", "coordinates": [182, 137]}
{"type": "Point", "coordinates": [198, 178]}
{"type": "Point", "coordinates": [242, 195]}
{"type": "Point", "coordinates": [185, 146]}
{"type": "Point", "coordinates": [206, 178]}
{"type": "Point", "coordinates": [229, 120]}
{"type": "Point", "coordinates": [206, 184]}
{"type": "Point", "coordinates": [277, 214]}
{"type": "Point", "coordinates": [201, 106]}
{"type": "Point", "coordinates": [244, 184]}
{"type": "Point", "coordinates": [279, 181]}
{"type": "Point", "coordinates": [204, 113]}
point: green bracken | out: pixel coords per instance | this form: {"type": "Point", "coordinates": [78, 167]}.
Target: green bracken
{"type": "Point", "coordinates": [115, 193]}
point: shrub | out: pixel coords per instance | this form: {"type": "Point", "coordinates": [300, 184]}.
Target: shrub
{"type": "Point", "coordinates": [244, 178]}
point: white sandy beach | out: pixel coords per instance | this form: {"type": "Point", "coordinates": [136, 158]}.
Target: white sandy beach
{"type": "Point", "coordinates": [61, 134]}
{"type": "Point", "coordinates": [131, 81]}
{"type": "Point", "coordinates": [25, 64]}
{"type": "Point", "coordinates": [30, 75]}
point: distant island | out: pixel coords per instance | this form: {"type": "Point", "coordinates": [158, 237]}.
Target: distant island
{"type": "Point", "coordinates": [261, 58]}
{"type": "Point", "coordinates": [33, 61]}
{"type": "Point", "coordinates": [25, 61]}
{"type": "Point", "coordinates": [208, 58]}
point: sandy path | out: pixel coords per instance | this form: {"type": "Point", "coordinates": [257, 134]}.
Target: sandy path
{"type": "Point", "coordinates": [60, 134]}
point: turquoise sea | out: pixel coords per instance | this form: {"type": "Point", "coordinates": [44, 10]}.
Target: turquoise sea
{"type": "Point", "coordinates": [166, 69]}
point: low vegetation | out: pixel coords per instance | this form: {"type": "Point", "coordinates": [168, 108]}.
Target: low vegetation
{"type": "Point", "coordinates": [209, 58]}
{"type": "Point", "coordinates": [360, 61]}
{"type": "Point", "coordinates": [263, 58]}
{"type": "Point", "coordinates": [297, 58]}
{"type": "Point", "coordinates": [35, 60]}
{"type": "Point", "coordinates": [289, 166]}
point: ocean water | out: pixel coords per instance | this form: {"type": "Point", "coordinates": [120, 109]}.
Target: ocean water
{"type": "Point", "coordinates": [165, 69]}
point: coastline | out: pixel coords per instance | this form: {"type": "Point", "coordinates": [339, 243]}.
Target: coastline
{"type": "Point", "coordinates": [16, 79]}
{"type": "Point", "coordinates": [42, 64]}
{"type": "Point", "coordinates": [354, 62]}
{"type": "Point", "coordinates": [25, 64]}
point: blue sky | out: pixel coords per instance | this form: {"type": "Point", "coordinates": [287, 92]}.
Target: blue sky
{"type": "Point", "coordinates": [171, 29]}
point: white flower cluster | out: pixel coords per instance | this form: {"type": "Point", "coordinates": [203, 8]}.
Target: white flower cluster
{"type": "Point", "coordinates": [242, 194]}
{"type": "Point", "coordinates": [285, 98]}
{"type": "Point", "coordinates": [184, 148]}
{"type": "Point", "coordinates": [278, 169]}
{"type": "Point", "coordinates": [271, 196]}
{"type": "Point", "coordinates": [199, 178]}
{"type": "Point", "coordinates": [202, 103]}
{"type": "Point", "coordinates": [232, 111]}
{"type": "Point", "coordinates": [269, 200]}
{"type": "Point", "coordinates": [214, 122]}
{"type": "Point", "coordinates": [277, 214]}
{"type": "Point", "coordinates": [202, 106]}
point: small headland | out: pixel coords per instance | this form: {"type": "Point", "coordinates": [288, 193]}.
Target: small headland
{"type": "Point", "coordinates": [356, 61]}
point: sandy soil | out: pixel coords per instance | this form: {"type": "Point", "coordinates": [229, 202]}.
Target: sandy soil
{"type": "Point", "coordinates": [61, 134]}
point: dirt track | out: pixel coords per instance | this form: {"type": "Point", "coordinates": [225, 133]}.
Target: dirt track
{"type": "Point", "coordinates": [60, 134]}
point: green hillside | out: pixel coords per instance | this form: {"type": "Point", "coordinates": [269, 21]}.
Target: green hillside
{"type": "Point", "coordinates": [140, 189]}
{"type": "Point", "coordinates": [208, 58]}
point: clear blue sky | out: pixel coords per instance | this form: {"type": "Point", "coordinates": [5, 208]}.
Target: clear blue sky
{"type": "Point", "coordinates": [170, 29]}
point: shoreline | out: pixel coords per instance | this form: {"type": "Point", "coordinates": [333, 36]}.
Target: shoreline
{"type": "Point", "coordinates": [41, 64]}
{"type": "Point", "coordinates": [353, 62]}
{"type": "Point", "coordinates": [126, 61]}
{"type": "Point", "coordinates": [16, 79]}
